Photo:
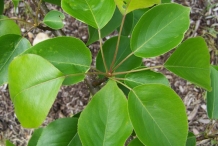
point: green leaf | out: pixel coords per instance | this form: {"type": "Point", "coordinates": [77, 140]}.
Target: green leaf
{"type": "Point", "coordinates": [35, 137]}
{"type": "Point", "coordinates": [165, 1]}
{"type": "Point", "coordinates": [1, 7]}
{"type": "Point", "coordinates": [137, 14]}
{"type": "Point", "coordinates": [191, 61]}
{"type": "Point", "coordinates": [16, 3]}
{"type": "Point", "coordinates": [33, 86]}
{"type": "Point", "coordinates": [153, 36]}
{"type": "Point", "coordinates": [56, 2]}
{"type": "Point", "coordinates": [126, 6]}
{"type": "Point", "coordinates": [212, 97]}
{"type": "Point", "coordinates": [135, 142]}
{"type": "Point", "coordinates": [107, 29]}
{"type": "Point", "coordinates": [8, 26]}
{"type": "Point", "coordinates": [128, 25]}
{"type": "Point", "coordinates": [145, 77]}
{"type": "Point", "coordinates": [191, 140]}
{"type": "Point", "coordinates": [95, 13]}
{"type": "Point", "coordinates": [8, 143]}
{"type": "Point", "coordinates": [70, 55]}
{"type": "Point", "coordinates": [124, 50]}
{"type": "Point", "coordinates": [105, 120]}
{"type": "Point", "coordinates": [11, 45]}
{"type": "Point", "coordinates": [75, 141]}
{"type": "Point", "coordinates": [54, 19]}
{"type": "Point", "coordinates": [59, 133]}
{"type": "Point", "coordinates": [158, 115]}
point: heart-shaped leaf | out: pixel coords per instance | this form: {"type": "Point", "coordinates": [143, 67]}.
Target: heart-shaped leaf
{"type": "Point", "coordinates": [159, 30]}
{"type": "Point", "coordinates": [33, 85]}
{"type": "Point", "coordinates": [70, 55]}
{"type": "Point", "coordinates": [126, 6]}
{"type": "Point", "coordinates": [59, 133]}
{"type": "Point", "coordinates": [212, 97]}
{"type": "Point", "coordinates": [105, 120]}
{"type": "Point", "coordinates": [145, 77]}
{"type": "Point", "coordinates": [95, 13]}
{"type": "Point", "coordinates": [191, 61]}
{"type": "Point", "coordinates": [35, 137]}
{"type": "Point", "coordinates": [54, 19]}
{"type": "Point", "coordinates": [124, 50]}
{"type": "Point", "coordinates": [107, 29]}
{"type": "Point", "coordinates": [12, 27]}
{"type": "Point", "coordinates": [158, 115]}
{"type": "Point", "coordinates": [11, 45]}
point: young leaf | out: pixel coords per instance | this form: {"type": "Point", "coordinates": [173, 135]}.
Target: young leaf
{"type": "Point", "coordinates": [191, 61]}
{"type": "Point", "coordinates": [12, 27]}
{"type": "Point", "coordinates": [126, 6]}
{"type": "Point", "coordinates": [54, 19]}
{"type": "Point", "coordinates": [70, 55]}
{"type": "Point", "coordinates": [105, 120]}
{"type": "Point", "coordinates": [145, 77]}
{"type": "Point", "coordinates": [191, 140]}
{"type": "Point", "coordinates": [107, 29]}
{"type": "Point", "coordinates": [8, 143]}
{"type": "Point", "coordinates": [212, 97]}
{"type": "Point", "coordinates": [159, 30]}
{"type": "Point", "coordinates": [30, 74]}
{"type": "Point", "coordinates": [95, 13]}
{"type": "Point", "coordinates": [135, 142]}
{"type": "Point", "coordinates": [59, 133]}
{"type": "Point", "coordinates": [124, 50]}
{"type": "Point", "coordinates": [15, 2]}
{"type": "Point", "coordinates": [1, 7]}
{"type": "Point", "coordinates": [11, 45]}
{"type": "Point", "coordinates": [158, 115]}
{"type": "Point", "coordinates": [35, 137]}
{"type": "Point", "coordinates": [56, 2]}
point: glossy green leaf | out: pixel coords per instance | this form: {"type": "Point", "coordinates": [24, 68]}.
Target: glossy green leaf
{"type": "Point", "coordinates": [59, 133]}
{"type": "Point", "coordinates": [56, 2]}
{"type": "Point", "coordinates": [145, 77]}
{"type": "Point", "coordinates": [16, 3]}
{"type": "Point", "coordinates": [212, 97]}
{"type": "Point", "coordinates": [8, 143]}
{"type": "Point", "coordinates": [35, 137]}
{"type": "Point", "coordinates": [10, 26]}
{"type": "Point", "coordinates": [191, 61]}
{"type": "Point", "coordinates": [95, 13]}
{"type": "Point", "coordinates": [153, 36]}
{"type": "Point", "coordinates": [107, 29]}
{"type": "Point", "coordinates": [126, 6]}
{"type": "Point", "coordinates": [124, 50]}
{"type": "Point", "coordinates": [135, 142]}
{"type": "Point", "coordinates": [128, 25]}
{"type": "Point", "coordinates": [191, 140]}
{"type": "Point", "coordinates": [1, 7]}
{"type": "Point", "coordinates": [70, 55]}
{"type": "Point", "coordinates": [165, 1]}
{"type": "Point", "coordinates": [11, 45]}
{"type": "Point", "coordinates": [105, 120]}
{"type": "Point", "coordinates": [158, 115]}
{"type": "Point", "coordinates": [33, 86]}
{"type": "Point", "coordinates": [54, 19]}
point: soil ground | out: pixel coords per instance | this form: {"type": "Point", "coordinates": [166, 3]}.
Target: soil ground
{"type": "Point", "coordinates": [72, 99]}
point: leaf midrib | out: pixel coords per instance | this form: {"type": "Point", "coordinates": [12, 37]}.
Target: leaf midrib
{"type": "Point", "coordinates": [92, 13]}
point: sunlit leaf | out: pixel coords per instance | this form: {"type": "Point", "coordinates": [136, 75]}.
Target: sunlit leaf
{"type": "Point", "coordinates": [54, 19]}
{"type": "Point", "coordinates": [95, 13]}
{"type": "Point", "coordinates": [11, 45]}
{"type": "Point", "coordinates": [158, 115]}
{"type": "Point", "coordinates": [33, 85]}
{"type": "Point", "coordinates": [191, 61]}
{"type": "Point", "coordinates": [105, 120]}
{"type": "Point", "coordinates": [159, 30]}
{"type": "Point", "coordinates": [70, 55]}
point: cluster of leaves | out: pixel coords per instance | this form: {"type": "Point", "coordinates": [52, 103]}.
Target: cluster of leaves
{"type": "Point", "coordinates": [134, 98]}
